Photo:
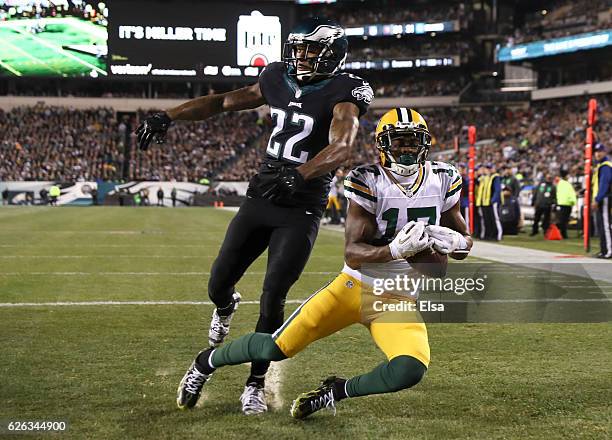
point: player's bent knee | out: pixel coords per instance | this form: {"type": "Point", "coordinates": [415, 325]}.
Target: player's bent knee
{"type": "Point", "coordinates": [270, 351]}
{"type": "Point", "coordinates": [219, 290]}
{"type": "Point", "coordinates": [406, 372]}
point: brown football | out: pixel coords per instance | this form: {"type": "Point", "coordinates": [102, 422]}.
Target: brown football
{"type": "Point", "coordinates": [429, 263]}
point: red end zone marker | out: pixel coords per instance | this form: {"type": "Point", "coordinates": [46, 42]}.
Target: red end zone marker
{"type": "Point", "coordinates": [471, 165]}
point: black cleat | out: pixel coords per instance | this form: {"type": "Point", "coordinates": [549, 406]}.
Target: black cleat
{"type": "Point", "coordinates": [312, 401]}
{"type": "Point", "coordinates": [190, 387]}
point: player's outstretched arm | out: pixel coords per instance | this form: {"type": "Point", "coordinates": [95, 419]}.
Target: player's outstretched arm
{"type": "Point", "coordinates": [359, 232]}
{"type": "Point", "coordinates": [342, 132]}
{"type": "Point", "coordinates": [210, 105]}
{"type": "Point", "coordinates": [155, 127]}
{"type": "Point", "coordinates": [454, 220]}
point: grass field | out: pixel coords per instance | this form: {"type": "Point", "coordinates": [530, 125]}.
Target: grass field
{"type": "Point", "coordinates": [112, 370]}
{"type": "Point", "coordinates": [573, 245]}
{"type": "Point", "coordinates": [24, 53]}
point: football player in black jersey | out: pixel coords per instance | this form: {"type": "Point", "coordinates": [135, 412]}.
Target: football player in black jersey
{"type": "Point", "coordinates": [315, 110]}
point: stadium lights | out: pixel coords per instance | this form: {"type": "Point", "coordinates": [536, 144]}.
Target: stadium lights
{"type": "Point", "coordinates": [376, 30]}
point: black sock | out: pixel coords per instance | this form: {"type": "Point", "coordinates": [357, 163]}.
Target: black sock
{"type": "Point", "coordinates": [202, 362]}
{"type": "Point", "coordinates": [338, 388]}
{"type": "Point", "coordinates": [224, 312]}
{"type": "Point", "coordinates": [260, 381]}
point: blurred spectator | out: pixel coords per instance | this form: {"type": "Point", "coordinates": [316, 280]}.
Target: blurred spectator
{"type": "Point", "coordinates": [54, 194]}
{"type": "Point", "coordinates": [44, 196]}
{"type": "Point", "coordinates": [173, 197]}
{"type": "Point", "coordinates": [509, 212]}
{"type": "Point", "coordinates": [510, 181]}
{"type": "Point", "coordinates": [160, 197]}
{"type": "Point", "coordinates": [5, 196]}
{"type": "Point", "coordinates": [544, 197]}
{"type": "Point", "coordinates": [566, 199]}
{"type": "Point", "coordinates": [490, 199]}
{"type": "Point", "coordinates": [94, 196]}
{"type": "Point", "coordinates": [602, 191]}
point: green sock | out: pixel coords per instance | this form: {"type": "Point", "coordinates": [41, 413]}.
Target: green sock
{"type": "Point", "coordinates": [399, 373]}
{"type": "Point", "coordinates": [249, 348]}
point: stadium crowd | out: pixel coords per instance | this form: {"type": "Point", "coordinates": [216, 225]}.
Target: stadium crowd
{"type": "Point", "coordinates": [62, 144]}
{"type": "Point", "coordinates": [419, 87]}
{"type": "Point", "coordinates": [199, 149]}
{"type": "Point", "coordinates": [68, 145]}
{"type": "Point", "coordinates": [429, 48]}
{"type": "Point", "coordinates": [564, 19]}
{"type": "Point", "coordinates": [392, 11]}
{"type": "Point", "coordinates": [56, 143]}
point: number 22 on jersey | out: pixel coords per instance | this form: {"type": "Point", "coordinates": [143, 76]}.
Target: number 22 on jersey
{"type": "Point", "coordinates": [286, 151]}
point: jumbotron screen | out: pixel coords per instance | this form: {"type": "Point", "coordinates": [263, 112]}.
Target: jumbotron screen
{"type": "Point", "coordinates": [136, 38]}
{"type": "Point", "coordinates": [53, 38]}
{"type": "Point", "coordinates": [211, 39]}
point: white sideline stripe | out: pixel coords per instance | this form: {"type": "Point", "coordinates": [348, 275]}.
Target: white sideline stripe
{"type": "Point", "coordinates": [8, 257]}
{"type": "Point", "coordinates": [274, 379]}
{"type": "Point", "coordinates": [130, 246]}
{"type": "Point", "coordinates": [140, 273]}
{"type": "Point", "coordinates": [290, 301]}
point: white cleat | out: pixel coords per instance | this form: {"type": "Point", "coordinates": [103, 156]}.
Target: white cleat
{"type": "Point", "coordinates": [220, 326]}
{"type": "Point", "coordinates": [253, 400]}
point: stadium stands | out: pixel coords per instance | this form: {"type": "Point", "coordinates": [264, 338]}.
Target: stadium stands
{"type": "Point", "coordinates": [564, 18]}
{"type": "Point", "coordinates": [391, 11]}
{"type": "Point", "coordinates": [63, 144]}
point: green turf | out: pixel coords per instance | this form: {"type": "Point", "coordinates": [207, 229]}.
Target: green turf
{"type": "Point", "coordinates": [112, 371]}
{"type": "Point", "coordinates": [25, 53]}
{"type": "Point", "coordinates": [573, 245]}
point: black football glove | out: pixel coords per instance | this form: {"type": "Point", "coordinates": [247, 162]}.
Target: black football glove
{"type": "Point", "coordinates": [153, 128]}
{"type": "Point", "coordinates": [287, 182]}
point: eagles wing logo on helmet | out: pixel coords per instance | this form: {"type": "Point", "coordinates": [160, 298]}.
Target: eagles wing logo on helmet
{"type": "Point", "coordinates": [363, 93]}
{"type": "Point", "coordinates": [315, 49]}
{"type": "Point", "coordinates": [323, 34]}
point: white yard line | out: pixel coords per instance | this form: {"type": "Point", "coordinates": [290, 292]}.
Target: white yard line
{"type": "Point", "coordinates": [290, 301]}
{"type": "Point", "coordinates": [140, 273]}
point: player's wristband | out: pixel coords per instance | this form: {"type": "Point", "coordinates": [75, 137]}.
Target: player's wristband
{"type": "Point", "coordinates": [395, 254]}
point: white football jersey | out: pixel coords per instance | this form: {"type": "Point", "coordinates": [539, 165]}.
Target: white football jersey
{"type": "Point", "coordinates": [427, 194]}
{"type": "Point", "coordinates": [333, 187]}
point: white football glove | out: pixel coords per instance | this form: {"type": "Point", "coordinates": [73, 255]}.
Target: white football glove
{"type": "Point", "coordinates": [446, 240]}
{"type": "Point", "coordinates": [411, 240]}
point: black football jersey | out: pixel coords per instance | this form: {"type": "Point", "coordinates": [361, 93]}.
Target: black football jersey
{"type": "Point", "coordinates": [302, 116]}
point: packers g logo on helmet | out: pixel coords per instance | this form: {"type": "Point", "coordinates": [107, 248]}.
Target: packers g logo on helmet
{"type": "Point", "coordinates": [403, 140]}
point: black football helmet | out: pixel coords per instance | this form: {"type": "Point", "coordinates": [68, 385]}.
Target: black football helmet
{"type": "Point", "coordinates": [319, 36]}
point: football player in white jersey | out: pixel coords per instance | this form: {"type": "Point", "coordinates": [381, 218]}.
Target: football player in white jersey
{"type": "Point", "coordinates": [402, 212]}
